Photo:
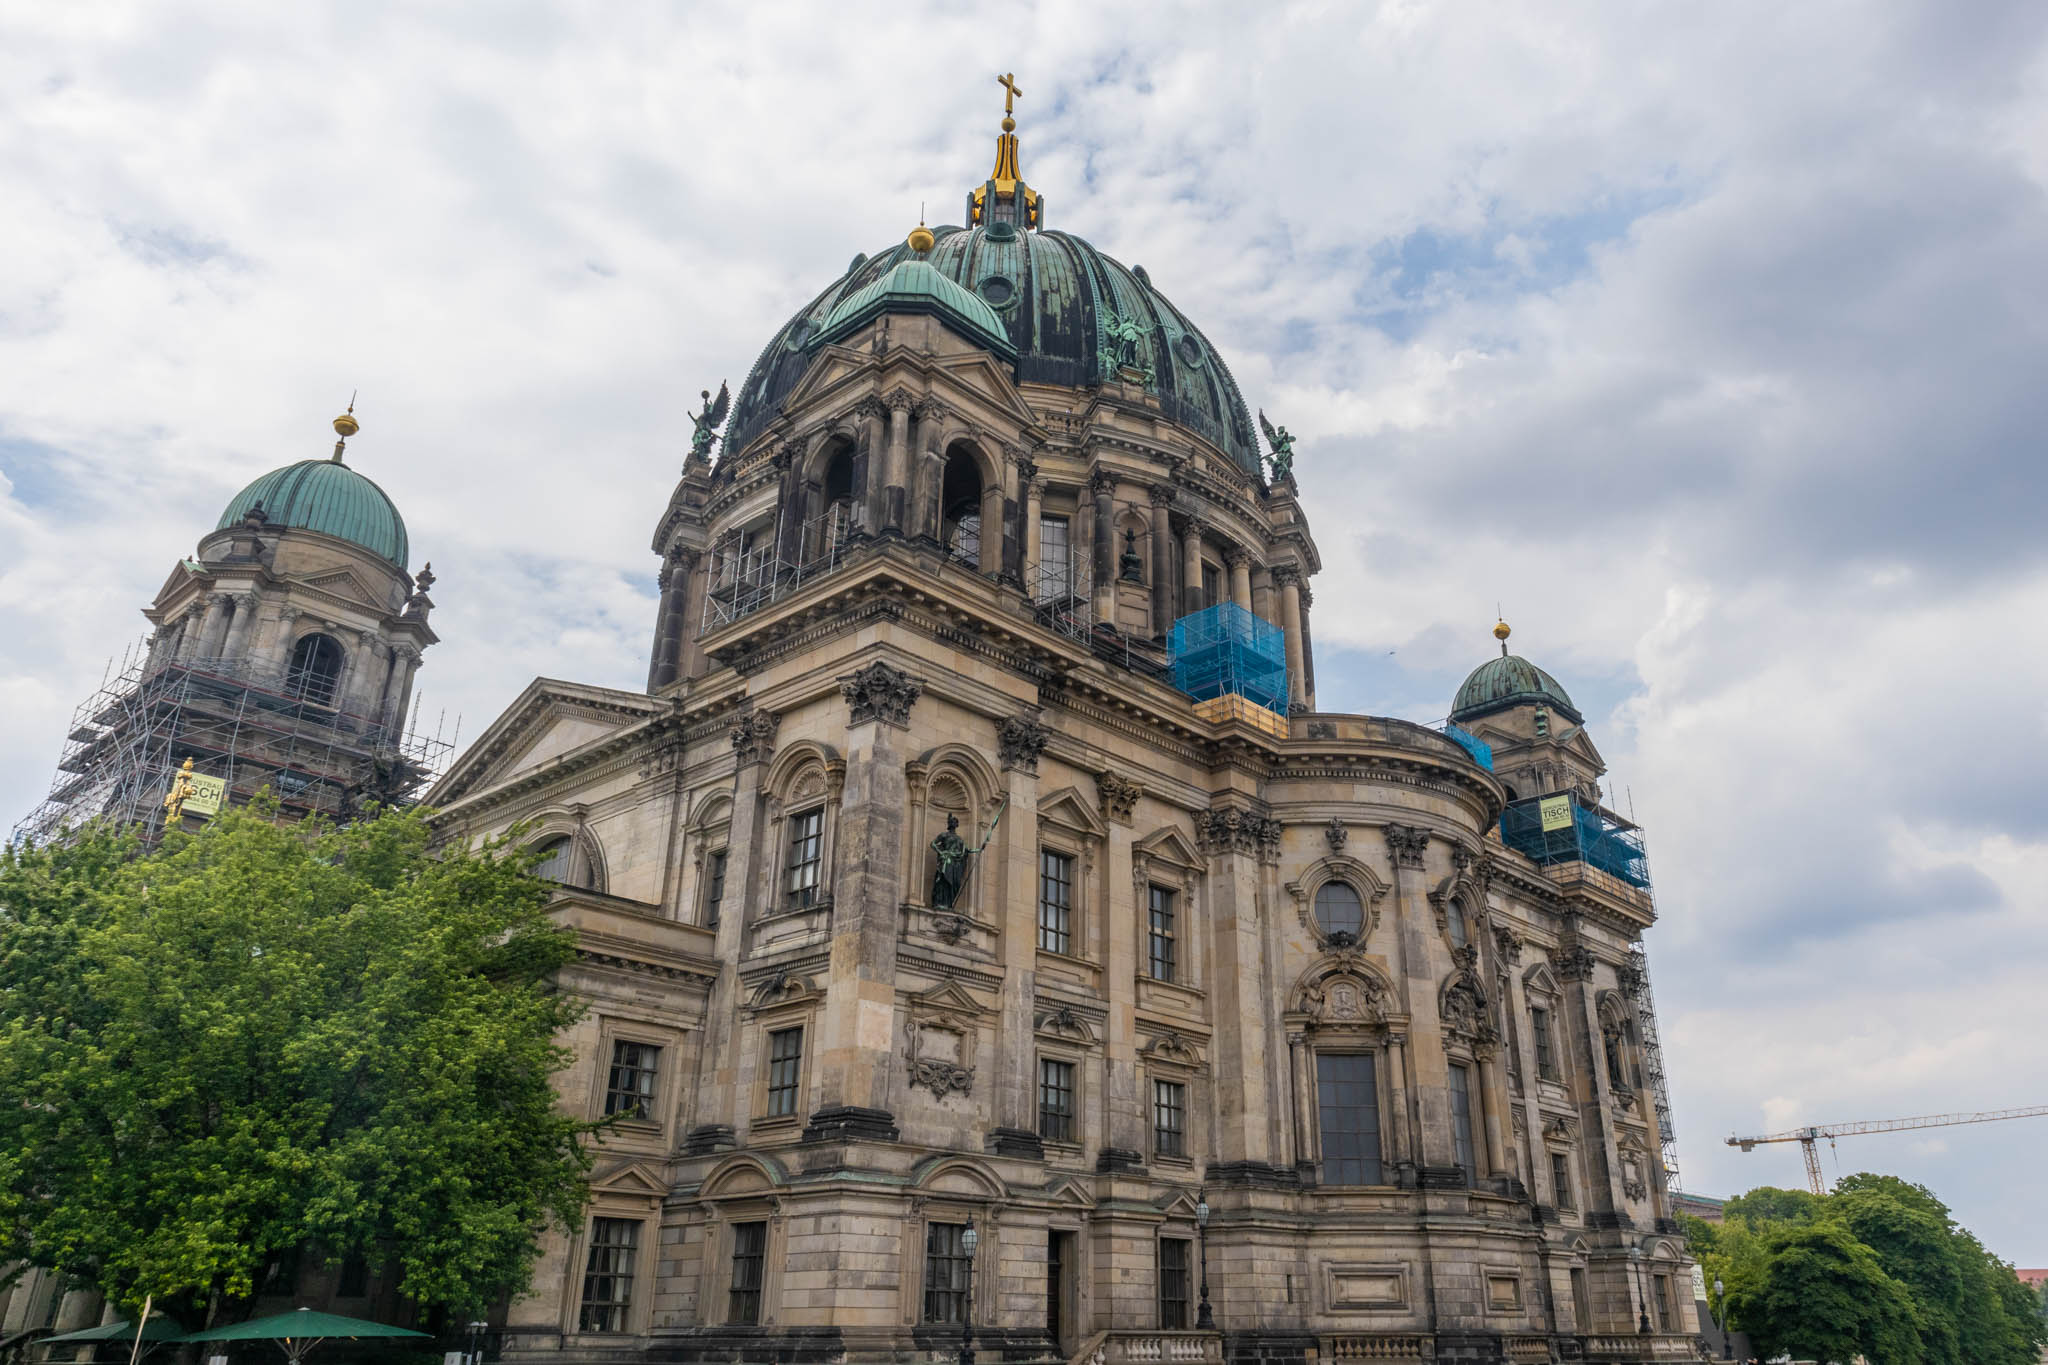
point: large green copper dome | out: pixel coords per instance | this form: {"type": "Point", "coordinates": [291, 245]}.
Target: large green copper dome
{"type": "Point", "coordinates": [329, 497]}
{"type": "Point", "coordinates": [1508, 681]}
{"type": "Point", "coordinates": [1052, 295]}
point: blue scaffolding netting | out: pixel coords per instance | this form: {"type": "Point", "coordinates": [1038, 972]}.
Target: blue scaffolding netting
{"type": "Point", "coordinates": [1226, 649]}
{"type": "Point", "coordinates": [1481, 751]}
{"type": "Point", "coordinates": [1576, 834]}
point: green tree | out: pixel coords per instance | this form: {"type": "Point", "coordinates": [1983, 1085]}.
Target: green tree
{"type": "Point", "coordinates": [1917, 1248]}
{"type": "Point", "coordinates": [1821, 1294]}
{"type": "Point", "coordinates": [263, 1037]}
{"type": "Point", "coordinates": [1769, 1204]}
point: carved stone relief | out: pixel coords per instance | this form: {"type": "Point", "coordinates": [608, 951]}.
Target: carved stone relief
{"type": "Point", "coordinates": [879, 692]}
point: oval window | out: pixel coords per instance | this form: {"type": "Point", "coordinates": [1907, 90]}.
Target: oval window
{"type": "Point", "coordinates": [998, 290]}
{"type": "Point", "coordinates": [1339, 911]}
{"type": "Point", "coordinates": [1190, 351]}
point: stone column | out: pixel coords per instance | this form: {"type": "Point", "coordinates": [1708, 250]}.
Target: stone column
{"type": "Point", "coordinates": [1401, 1142]}
{"type": "Point", "coordinates": [1235, 842]}
{"type": "Point", "coordinates": [1125, 1117]}
{"type": "Point", "coordinates": [1191, 567]}
{"type": "Point", "coordinates": [1034, 507]}
{"type": "Point", "coordinates": [1288, 578]}
{"type": "Point", "coordinates": [676, 571]}
{"type": "Point", "coordinates": [238, 632]}
{"type": "Point", "coordinates": [925, 479]}
{"type": "Point", "coordinates": [747, 873]}
{"type": "Point", "coordinates": [1102, 493]}
{"type": "Point", "coordinates": [1162, 561]}
{"type": "Point", "coordinates": [391, 706]}
{"type": "Point", "coordinates": [1240, 561]}
{"type": "Point", "coordinates": [896, 466]}
{"type": "Point", "coordinates": [1019, 742]}
{"type": "Point", "coordinates": [1308, 650]}
{"type": "Point", "coordinates": [857, 1066]}
{"type": "Point", "coordinates": [1428, 1098]}
{"type": "Point", "coordinates": [1575, 967]}
{"type": "Point", "coordinates": [790, 512]}
{"type": "Point", "coordinates": [1017, 472]}
{"type": "Point", "coordinates": [406, 667]}
{"type": "Point", "coordinates": [214, 627]}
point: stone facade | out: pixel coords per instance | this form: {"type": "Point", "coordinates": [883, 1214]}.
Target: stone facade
{"type": "Point", "coordinates": [1278, 970]}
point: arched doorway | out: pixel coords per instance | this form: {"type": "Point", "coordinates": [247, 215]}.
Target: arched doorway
{"type": "Point", "coordinates": [315, 671]}
{"type": "Point", "coordinates": [960, 507]}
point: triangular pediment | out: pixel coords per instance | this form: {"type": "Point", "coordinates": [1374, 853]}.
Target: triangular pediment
{"type": "Point", "coordinates": [949, 997]}
{"type": "Point", "coordinates": [632, 1178]}
{"type": "Point", "coordinates": [549, 721]}
{"type": "Point", "coordinates": [1069, 1194]}
{"type": "Point", "coordinates": [1068, 809]}
{"type": "Point", "coordinates": [182, 574]}
{"type": "Point", "coordinates": [344, 581]}
{"type": "Point", "coordinates": [1540, 980]}
{"type": "Point", "coordinates": [1170, 846]}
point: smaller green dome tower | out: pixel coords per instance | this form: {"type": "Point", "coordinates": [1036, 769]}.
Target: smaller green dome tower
{"type": "Point", "coordinates": [329, 497]}
{"type": "Point", "coordinates": [1509, 681]}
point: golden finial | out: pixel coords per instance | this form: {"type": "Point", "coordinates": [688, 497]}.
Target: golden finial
{"type": "Point", "coordinates": [1008, 80]}
{"type": "Point", "coordinates": [346, 426]}
{"type": "Point", "coordinates": [1501, 633]}
{"type": "Point", "coordinates": [921, 238]}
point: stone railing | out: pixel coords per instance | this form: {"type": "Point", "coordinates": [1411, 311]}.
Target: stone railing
{"type": "Point", "coordinates": [1151, 1348]}
{"type": "Point", "coordinates": [1409, 1348]}
{"type": "Point", "coordinates": [1527, 1350]}
{"type": "Point", "coordinates": [1642, 1346]}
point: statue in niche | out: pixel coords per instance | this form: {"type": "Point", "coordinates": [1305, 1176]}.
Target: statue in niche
{"type": "Point", "coordinates": [955, 859]}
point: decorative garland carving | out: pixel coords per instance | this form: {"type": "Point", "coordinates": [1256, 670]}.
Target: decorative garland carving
{"type": "Point", "coordinates": [879, 692]}
{"type": "Point", "coordinates": [1336, 834]}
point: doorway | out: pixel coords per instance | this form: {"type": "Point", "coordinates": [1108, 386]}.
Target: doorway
{"type": "Point", "coordinates": [1059, 1287]}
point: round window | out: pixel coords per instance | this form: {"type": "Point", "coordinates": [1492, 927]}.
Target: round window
{"type": "Point", "coordinates": [1002, 232]}
{"type": "Point", "coordinates": [998, 290]}
{"type": "Point", "coordinates": [1339, 911]}
{"type": "Point", "coordinates": [1190, 351]}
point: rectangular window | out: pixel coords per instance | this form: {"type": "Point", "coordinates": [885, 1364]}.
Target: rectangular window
{"type": "Point", "coordinates": [945, 1272]}
{"type": "Point", "coordinates": [1660, 1290]}
{"type": "Point", "coordinates": [1055, 901]}
{"type": "Point", "coordinates": [1348, 1103]}
{"type": "Point", "coordinates": [1212, 585]}
{"type": "Point", "coordinates": [806, 855]}
{"type": "Point", "coordinates": [1055, 1100]}
{"type": "Point", "coordinates": [1055, 559]}
{"type": "Point", "coordinates": [1161, 958]}
{"type": "Point", "coordinates": [714, 889]}
{"type": "Point", "coordinates": [1461, 1121]}
{"type": "Point", "coordinates": [785, 1069]}
{"type": "Point", "coordinates": [749, 1257]}
{"type": "Point", "coordinates": [1539, 1032]}
{"type": "Point", "coordinates": [608, 1274]}
{"type": "Point", "coordinates": [1169, 1118]}
{"type": "Point", "coordinates": [1173, 1284]}
{"type": "Point", "coordinates": [629, 1088]}
{"type": "Point", "coordinates": [1561, 1180]}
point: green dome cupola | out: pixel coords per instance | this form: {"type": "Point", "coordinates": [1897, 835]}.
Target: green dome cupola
{"type": "Point", "coordinates": [329, 497]}
{"type": "Point", "coordinates": [1510, 681]}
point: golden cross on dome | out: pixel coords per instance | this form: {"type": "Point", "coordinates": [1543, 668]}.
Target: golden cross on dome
{"type": "Point", "coordinates": [1008, 80]}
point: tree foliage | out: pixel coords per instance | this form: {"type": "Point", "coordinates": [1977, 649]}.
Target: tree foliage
{"type": "Point", "coordinates": [1878, 1269]}
{"type": "Point", "coordinates": [264, 1037]}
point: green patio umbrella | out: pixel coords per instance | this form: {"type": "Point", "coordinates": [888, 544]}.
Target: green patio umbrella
{"type": "Point", "coordinates": [159, 1329]}
{"type": "Point", "coordinates": [299, 1332]}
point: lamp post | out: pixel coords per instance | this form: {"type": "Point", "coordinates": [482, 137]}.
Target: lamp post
{"type": "Point", "coordinates": [1721, 1319]}
{"type": "Point", "coordinates": [969, 1239]}
{"type": "Point", "coordinates": [1635, 1256]}
{"type": "Point", "coordinates": [1205, 1321]}
{"type": "Point", "coordinates": [476, 1342]}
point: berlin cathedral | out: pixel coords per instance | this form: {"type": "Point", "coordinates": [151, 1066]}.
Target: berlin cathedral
{"type": "Point", "coordinates": [990, 946]}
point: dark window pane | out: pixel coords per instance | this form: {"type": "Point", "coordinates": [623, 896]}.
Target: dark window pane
{"type": "Point", "coordinates": [1461, 1121]}
{"type": "Point", "coordinates": [1173, 1284]}
{"type": "Point", "coordinates": [749, 1253]}
{"type": "Point", "coordinates": [1338, 909]}
{"type": "Point", "coordinates": [1055, 1100]}
{"type": "Point", "coordinates": [1347, 1100]}
{"type": "Point", "coordinates": [1161, 958]}
{"type": "Point", "coordinates": [630, 1087]}
{"type": "Point", "coordinates": [1539, 1029]}
{"type": "Point", "coordinates": [554, 860]}
{"type": "Point", "coordinates": [945, 1272]}
{"type": "Point", "coordinates": [785, 1069]}
{"type": "Point", "coordinates": [1561, 1180]}
{"type": "Point", "coordinates": [608, 1274]}
{"type": "Point", "coordinates": [1169, 1118]}
{"type": "Point", "coordinates": [806, 856]}
{"type": "Point", "coordinates": [714, 893]}
{"type": "Point", "coordinates": [1055, 901]}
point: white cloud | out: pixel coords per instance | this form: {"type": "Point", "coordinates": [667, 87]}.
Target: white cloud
{"type": "Point", "coordinates": [1705, 338]}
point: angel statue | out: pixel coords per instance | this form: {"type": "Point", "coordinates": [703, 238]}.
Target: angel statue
{"type": "Point", "coordinates": [1283, 448]}
{"type": "Point", "coordinates": [708, 421]}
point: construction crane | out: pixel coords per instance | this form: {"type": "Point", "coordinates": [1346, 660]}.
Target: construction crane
{"type": "Point", "coordinates": [1807, 1137]}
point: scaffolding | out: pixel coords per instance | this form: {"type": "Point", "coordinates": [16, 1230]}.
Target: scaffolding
{"type": "Point", "coordinates": [1638, 982]}
{"type": "Point", "coordinates": [1481, 751]}
{"type": "Point", "coordinates": [1225, 650]}
{"type": "Point", "coordinates": [746, 580]}
{"type": "Point", "coordinates": [1558, 828]}
{"type": "Point", "coordinates": [252, 727]}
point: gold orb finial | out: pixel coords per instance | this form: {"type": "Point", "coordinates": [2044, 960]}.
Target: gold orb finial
{"type": "Point", "coordinates": [346, 426]}
{"type": "Point", "coordinates": [1009, 124]}
{"type": "Point", "coordinates": [921, 239]}
{"type": "Point", "coordinates": [1501, 631]}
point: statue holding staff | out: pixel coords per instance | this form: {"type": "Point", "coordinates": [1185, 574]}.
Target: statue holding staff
{"type": "Point", "coordinates": [955, 859]}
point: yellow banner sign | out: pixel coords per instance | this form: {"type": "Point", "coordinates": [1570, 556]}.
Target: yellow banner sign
{"type": "Point", "coordinates": [207, 794]}
{"type": "Point", "coordinates": [1556, 812]}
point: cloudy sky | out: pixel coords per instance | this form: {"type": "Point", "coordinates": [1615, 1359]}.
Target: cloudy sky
{"type": "Point", "coordinates": [1707, 340]}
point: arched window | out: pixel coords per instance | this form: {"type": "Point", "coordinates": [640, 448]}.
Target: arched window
{"type": "Point", "coordinates": [960, 507]}
{"type": "Point", "coordinates": [838, 491]}
{"type": "Point", "coordinates": [1339, 910]}
{"type": "Point", "coordinates": [315, 670]}
{"type": "Point", "coordinates": [557, 855]}
{"type": "Point", "coordinates": [1454, 920]}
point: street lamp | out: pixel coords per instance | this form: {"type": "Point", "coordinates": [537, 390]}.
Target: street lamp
{"type": "Point", "coordinates": [1205, 1321]}
{"type": "Point", "coordinates": [969, 1239]}
{"type": "Point", "coordinates": [1721, 1319]}
{"type": "Point", "coordinates": [476, 1342]}
{"type": "Point", "coordinates": [1635, 1255]}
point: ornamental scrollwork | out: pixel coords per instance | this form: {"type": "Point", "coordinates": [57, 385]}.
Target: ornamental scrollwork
{"type": "Point", "coordinates": [879, 692]}
{"type": "Point", "coordinates": [1119, 796]}
{"type": "Point", "coordinates": [1406, 843]}
{"type": "Point", "coordinates": [1575, 963]}
{"type": "Point", "coordinates": [753, 735]}
{"type": "Point", "coordinates": [1020, 740]}
{"type": "Point", "coordinates": [1336, 835]}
